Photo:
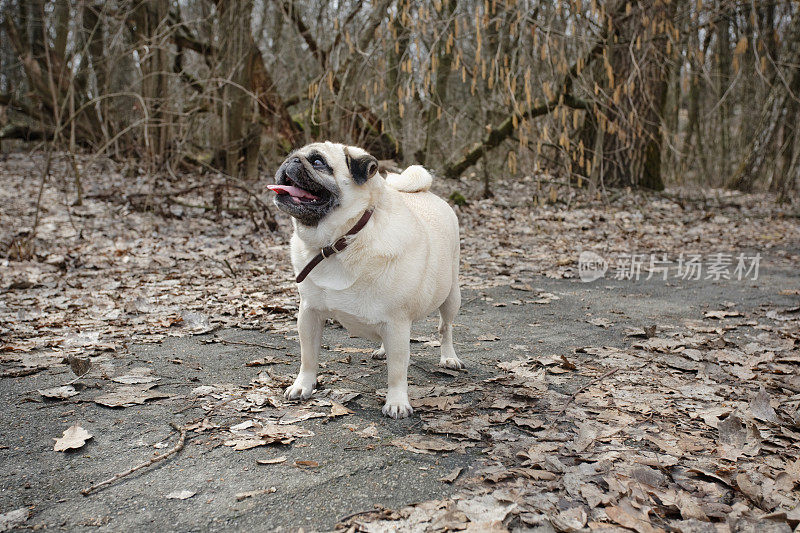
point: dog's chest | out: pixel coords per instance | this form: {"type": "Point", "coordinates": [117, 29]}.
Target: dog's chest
{"type": "Point", "coordinates": [357, 310]}
{"type": "Point", "coordinates": [357, 325]}
{"type": "Point", "coordinates": [346, 302]}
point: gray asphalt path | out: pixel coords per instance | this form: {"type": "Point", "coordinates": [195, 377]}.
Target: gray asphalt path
{"type": "Point", "coordinates": [354, 473]}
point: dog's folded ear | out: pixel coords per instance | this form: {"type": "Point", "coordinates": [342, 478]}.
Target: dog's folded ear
{"type": "Point", "coordinates": [362, 167]}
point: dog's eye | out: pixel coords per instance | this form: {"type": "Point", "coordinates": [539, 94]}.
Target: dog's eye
{"type": "Point", "coordinates": [317, 162]}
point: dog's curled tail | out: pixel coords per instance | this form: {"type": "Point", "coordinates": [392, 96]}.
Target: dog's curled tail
{"type": "Point", "coordinates": [413, 179]}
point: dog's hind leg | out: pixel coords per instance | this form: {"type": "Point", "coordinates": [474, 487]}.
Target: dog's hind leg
{"type": "Point", "coordinates": [309, 327]}
{"type": "Point", "coordinates": [447, 312]}
{"type": "Point", "coordinates": [396, 339]}
{"type": "Point", "coordinates": [380, 353]}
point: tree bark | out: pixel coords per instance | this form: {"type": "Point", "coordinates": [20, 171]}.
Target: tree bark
{"type": "Point", "coordinates": [62, 16]}
{"type": "Point", "coordinates": [773, 113]}
{"type": "Point", "coordinates": [251, 103]}
{"type": "Point", "coordinates": [723, 80]}
{"type": "Point", "coordinates": [155, 65]}
{"type": "Point", "coordinates": [438, 91]}
{"type": "Point", "coordinates": [397, 51]}
{"type": "Point", "coordinates": [94, 30]}
{"type": "Point", "coordinates": [632, 124]}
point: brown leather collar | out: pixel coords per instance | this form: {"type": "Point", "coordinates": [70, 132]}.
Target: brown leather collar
{"type": "Point", "coordinates": [334, 248]}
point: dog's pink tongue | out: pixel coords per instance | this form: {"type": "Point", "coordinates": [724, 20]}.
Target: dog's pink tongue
{"type": "Point", "coordinates": [291, 190]}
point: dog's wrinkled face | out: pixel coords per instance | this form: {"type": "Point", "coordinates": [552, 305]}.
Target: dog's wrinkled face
{"type": "Point", "coordinates": [318, 178]}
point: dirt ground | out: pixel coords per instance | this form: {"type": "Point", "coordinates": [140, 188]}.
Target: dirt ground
{"type": "Point", "coordinates": [143, 328]}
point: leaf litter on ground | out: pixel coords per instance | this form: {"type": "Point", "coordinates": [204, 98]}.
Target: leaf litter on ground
{"type": "Point", "coordinates": [697, 428]}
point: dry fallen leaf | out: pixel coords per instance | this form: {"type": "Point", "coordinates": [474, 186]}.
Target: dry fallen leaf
{"type": "Point", "coordinates": [436, 403]}
{"type": "Point", "coordinates": [571, 519]}
{"type": "Point", "coordinates": [721, 314]}
{"type": "Point", "coordinates": [80, 366]}
{"type": "Point", "coordinates": [627, 516]}
{"type": "Point", "coordinates": [761, 408]}
{"type": "Point", "coordinates": [128, 395]}
{"type": "Point", "coordinates": [135, 378]}
{"type": "Point", "coordinates": [74, 437]}
{"type": "Point", "coordinates": [270, 433]}
{"type": "Point", "coordinates": [451, 476]}
{"type": "Point", "coordinates": [180, 495]}
{"type": "Point", "coordinates": [656, 344]}
{"type": "Point", "coordinates": [298, 415]}
{"type": "Point", "coordinates": [470, 427]}
{"type": "Point", "coordinates": [736, 439]}
{"type": "Point", "coordinates": [600, 322]}
{"type": "Point", "coordinates": [369, 432]}
{"type": "Point", "coordinates": [59, 393]}
{"type": "Point", "coordinates": [343, 395]}
{"type": "Point", "coordinates": [529, 421]}
{"type": "Point", "coordinates": [690, 508]}
{"type": "Point", "coordinates": [306, 464]}
{"type": "Point", "coordinates": [273, 461]}
{"type": "Point", "coordinates": [486, 511]}
{"type": "Point", "coordinates": [338, 409]}
{"type": "Point", "coordinates": [245, 443]}
{"type": "Point", "coordinates": [417, 443]}
{"type": "Point", "coordinates": [545, 298]}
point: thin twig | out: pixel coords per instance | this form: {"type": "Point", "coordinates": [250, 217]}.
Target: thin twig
{"type": "Point", "coordinates": [65, 384]}
{"type": "Point", "coordinates": [22, 372]}
{"type": "Point", "coordinates": [175, 449]}
{"type": "Point", "coordinates": [77, 378]}
{"type": "Point", "coordinates": [377, 509]}
{"type": "Point", "coordinates": [45, 174]}
{"type": "Point", "coordinates": [580, 390]}
{"type": "Point", "coordinates": [245, 343]}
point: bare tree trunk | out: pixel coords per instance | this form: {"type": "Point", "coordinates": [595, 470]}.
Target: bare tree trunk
{"type": "Point", "coordinates": [36, 28]}
{"type": "Point", "coordinates": [234, 25]}
{"type": "Point", "coordinates": [250, 99]}
{"type": "Point", "coordinates": [773, 113]}
{"type": "Point", "coordinates": [438, 93]}
{"type": "Point", "coordinates": [633, 132]}
{"type": "Point", "coordinates": [723, 80]}
{"type": "Point", "coordinates": [155, 67]}
{"type": "Point", "coordinates": [270, 106]}
{"type": "Point", "coordinates": [46, 88]}
{"type": "Point", "coordinates": [62, 17]}
{"type": "Point", "coordinates": [94, 30]}
{"type": "Point", "coordinates": [397, 50]}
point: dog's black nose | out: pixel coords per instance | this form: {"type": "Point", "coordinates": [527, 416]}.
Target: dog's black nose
{"type": "Point", "coordinates": [294, 169]}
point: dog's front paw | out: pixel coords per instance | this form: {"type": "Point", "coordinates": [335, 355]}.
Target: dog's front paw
{"type": "Point", "coordinates": [302, 389]}
{"type": "Point", "coordinates": [398, 408]}
{"type": "Point", "coordinates": [452, 363]}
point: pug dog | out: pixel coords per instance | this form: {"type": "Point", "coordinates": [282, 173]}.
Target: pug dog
{"type": "Point", "coordinates": [374, 252]}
